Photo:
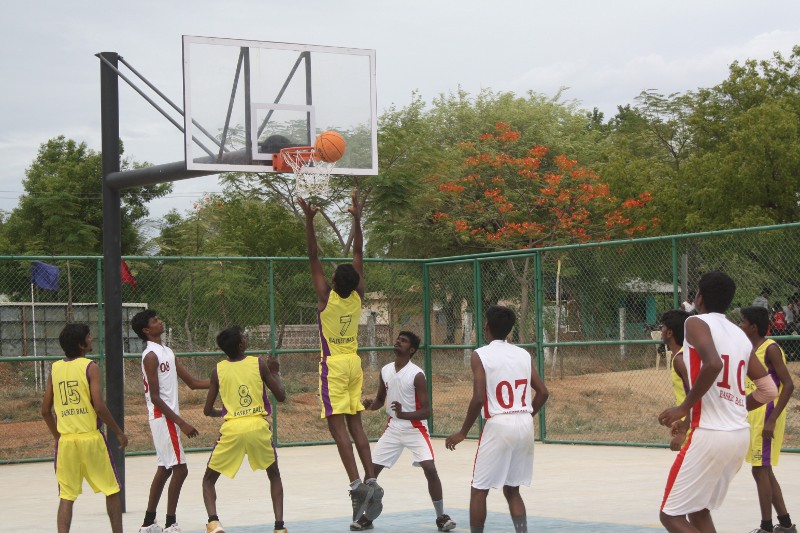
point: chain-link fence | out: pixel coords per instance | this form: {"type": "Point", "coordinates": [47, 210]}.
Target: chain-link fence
{"type": "Point", "coordinates": [586, 314]}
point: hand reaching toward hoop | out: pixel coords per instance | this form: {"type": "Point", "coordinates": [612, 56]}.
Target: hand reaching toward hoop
{"type": "Point", "coordinates": [355, 209]}
{"type": "Point", "coordinates": [308, 209]}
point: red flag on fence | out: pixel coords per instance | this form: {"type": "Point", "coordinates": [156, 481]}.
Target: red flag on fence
{"type": "Point", "coordinates": [127, 277]}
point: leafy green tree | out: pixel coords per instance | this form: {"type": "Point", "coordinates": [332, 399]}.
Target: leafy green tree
{"type": "Point", "coordinates": [61, 212]}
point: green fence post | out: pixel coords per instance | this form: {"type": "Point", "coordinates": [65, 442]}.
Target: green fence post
{"type": "Point", "coordinates": [539, 290]}
{"type": "Point", "coordinates": [101, 357]}
{"type": "Point", "coordinates": [477, 295]}
{"type": "Point", "coordinates": [676, 301]}
{"type": "Point", "coordinates": [426, 336]}
{"type": "Point", "coordinates": [271, 280]}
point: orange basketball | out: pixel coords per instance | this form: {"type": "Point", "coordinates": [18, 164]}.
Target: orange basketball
{"type": "Point", "coordinates": [330, 146]}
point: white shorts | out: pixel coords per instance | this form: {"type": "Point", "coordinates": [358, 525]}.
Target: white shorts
{"type": "Point", "coordinates": [505, 452]}
{"type": "Point", "coordinates": [393, 441]}
{"type": "Point", "coordinates": [704, 468]}
{"type": "Point", "coordinates": [167, 441]}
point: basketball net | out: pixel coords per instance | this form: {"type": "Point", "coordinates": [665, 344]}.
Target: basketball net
{"type": "Point", "coordinates": [312, 175]}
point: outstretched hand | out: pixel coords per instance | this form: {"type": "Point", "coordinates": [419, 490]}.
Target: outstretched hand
{"type": "Point", "coordinates": [354, 208]}
{"type": "Point", "coordinates": [308, 209]}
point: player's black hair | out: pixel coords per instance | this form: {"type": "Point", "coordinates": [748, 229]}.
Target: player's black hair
{"type": "Point", "coordinates": [229, 340]}
{"type": "Point", "coordinates": [692, 294]}
{"type": "Point", "coordinates": [500, 320]}
{"type": "Point", "coordinates": [140, 321]}
{"type": "Point", "coordinates": [345, 279]}
{"type": "Point", "coordinates": [412, 337]}
{"type": "Point", "coordinates": [718, 290]}
{"type": "Point", "coordinates": [757, 315]}
{"type": "Point", "coordinates": [673, 320]}
{"type": "Point", "coordinates": [71, 338]}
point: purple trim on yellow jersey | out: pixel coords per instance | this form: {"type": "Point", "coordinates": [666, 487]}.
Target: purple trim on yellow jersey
{"type": "Point", "coordinates": [265, 398]}
{"type": "Point", "coordinates": [766, 444]}
{"type": "Point", "coordinates": [111, 458]}
{"type": "Point", "coordinates": [323, 363]}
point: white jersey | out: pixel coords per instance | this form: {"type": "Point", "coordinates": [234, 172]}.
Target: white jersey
{"type": "Point", "coordinates": [723, 407]}
{"type": "Point", "coordinates": [167, 379]}
{"type": "Point", "coordinates": [400, 388]}
{"type": "Point", "coordinates": [508, 378]}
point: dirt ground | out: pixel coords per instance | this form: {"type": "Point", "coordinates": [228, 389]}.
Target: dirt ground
{"type": "Point", "coordinates": [604, 406]}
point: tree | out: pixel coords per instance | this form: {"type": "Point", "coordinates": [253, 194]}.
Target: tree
{"type": "Point", "coordinates": [61, 212]}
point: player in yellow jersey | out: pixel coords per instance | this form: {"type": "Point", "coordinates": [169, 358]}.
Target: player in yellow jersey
{"type": "Point", "coordinates": [768, 422]}
{"type": "Point", "coordinates": [340, 374]}
{"type": "Point", "coordinates": [241, 382]}
{"type": "Point", "coordinates": [672, 335]}
{"type": "Point", "coordinates": [73, 392]}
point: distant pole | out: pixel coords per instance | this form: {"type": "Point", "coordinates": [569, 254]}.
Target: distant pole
{"type": "Point", "coordinates": [112, 258]}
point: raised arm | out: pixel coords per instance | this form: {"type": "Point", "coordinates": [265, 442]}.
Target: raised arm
{"type": "Point", "coordinates": [380, 397]}
{"type": "Point", "coordinates": [93, 374]}
{"type": "Point", "coordinates": [47, 409]}
{"type": "Point", "coordinates": [211, 397]}
{"type": "Point", "coordinates": [358, 243]}
{"type": "Point", "coordinates": [321, 286]}
{"type": "Point", "coordinates": [150, 365]}
{"type": "Point", "coordinates": [774, 359]}
{"type": "Point", "coordinates": [698, 334]}
{"type": "Point", "coordinates": [189, 379]}
{"type": "Point", "coordinates": [475, 404]}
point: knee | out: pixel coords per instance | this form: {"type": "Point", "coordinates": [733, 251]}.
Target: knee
{"type": "Point", "coordinates": [273, 473]}
{"type": "Point", "coordinates": [430, 472]}
{"type": "Point", "coordinates": [664, 518]}
{"type": "Point", "coordinates": [180, 471]}
{"type": "Point", "coordinates": [510, 492]}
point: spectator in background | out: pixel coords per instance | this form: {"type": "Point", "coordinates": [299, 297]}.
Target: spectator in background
{"type": "Point", "coordinates": [762, 300]}
{"type": "Point", "coordinates": [777, 320]}
{"type": "Point", "coordinates": [688, 305]}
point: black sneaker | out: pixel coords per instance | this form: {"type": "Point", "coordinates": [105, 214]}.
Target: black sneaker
{"type": "Point", "coordinates": [445, 523]}
{"type": "Point", "coordinates": [362, 525]}
{"type": "Point", "coordinates": [375, 505]}
{"type": "Point", "coordinates": [360, 498]}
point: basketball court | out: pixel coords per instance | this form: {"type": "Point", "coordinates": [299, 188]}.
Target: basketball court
{"type": "Point", "coordinates": [595, 488]}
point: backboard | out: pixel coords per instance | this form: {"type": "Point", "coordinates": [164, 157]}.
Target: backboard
{"type": "Point", "coordinates": [245, 100]}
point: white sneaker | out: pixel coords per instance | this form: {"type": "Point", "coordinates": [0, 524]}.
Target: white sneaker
{"type": "Point", "coordinates": [155, 528]}
{"type": "Point", "coordinates": [174, 528]}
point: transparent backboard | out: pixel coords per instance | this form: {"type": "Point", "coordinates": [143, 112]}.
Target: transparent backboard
{"type": "Point", "coordinates": [245, 100]}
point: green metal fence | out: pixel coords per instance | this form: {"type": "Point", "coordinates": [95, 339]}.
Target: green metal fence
{"type": "Point", "coordinates": [585, 313]}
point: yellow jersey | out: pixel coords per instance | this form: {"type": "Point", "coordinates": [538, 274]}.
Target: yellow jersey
{"type": "Point", "coordinates": [761, 354]}
{"type": "Point", "coordinates": [241, 389]}
{"type": "Point", "coordinates": [338, 325]}
{"type": "Point", "coordinates": [72, 399]}
{"type": "Point", "coordinates": [678, 386]}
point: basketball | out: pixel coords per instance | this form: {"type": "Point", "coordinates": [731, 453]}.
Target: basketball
{"type": "Point", "coordinates": [330, 146]}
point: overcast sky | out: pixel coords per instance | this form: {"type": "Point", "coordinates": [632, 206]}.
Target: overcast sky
{"type": "Point", "coordinates": [606, 52]}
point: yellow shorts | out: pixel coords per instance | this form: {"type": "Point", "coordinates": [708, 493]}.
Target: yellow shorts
{"type": "Point", "coordinates": [765, 452]}
{"type": "Point", "coordinates": [340, 383]}
{"type": "Point", "coordinates": [249, 436]}
{"type": "Point", "coordinates": [84, 456]}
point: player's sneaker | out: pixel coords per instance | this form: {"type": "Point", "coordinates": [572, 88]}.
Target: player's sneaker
{"type": "Point", "coordinates": [284, 530]}
{"type": "Point", "coordinates": [759, 530]}
{"type": "Point", "coordinates": [360, 498]}
{"type": "Point", "coordinates": [445, 523]}
{"type": "Point", "coordinates": [781, 529]}
{"type": "Point", "coordinates": [362, 525]}
{"type": "Point", "coordinates": [214, 527]}
{"type": "Point", "coordinates": [152, 528]}
{"type": "Point", "coordinates": [376, 502]}
{"type": "Point", "coordinates": [174, 528]}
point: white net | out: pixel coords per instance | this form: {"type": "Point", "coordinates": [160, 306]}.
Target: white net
{"type": "Point", "coordinates": [312, 175]}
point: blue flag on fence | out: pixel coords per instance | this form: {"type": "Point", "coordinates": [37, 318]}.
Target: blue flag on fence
{"type": "Point", "coordinates": [44, 275]}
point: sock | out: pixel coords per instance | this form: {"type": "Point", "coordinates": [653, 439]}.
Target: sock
{"type": "Point", "coordinates": [371, 480]}
{"type": "Point", "coordinates": [475, 529]}
{"type": "Point", "coordinates": [439, 506]}
{"type": "Point", "coordinates": [354, 484]}
{"type": "Point", "coordinates": [278, 524]}
{"type": "Point", "coordinates": [520, 523]}
{"type": "Point", "coordinates": [784, 520]}
{"type": "Point", "coordinates": [766, 525]}
{"type": "Point", "coordinates": [213, 518]}
{"type": "Point", "coordinates": [149, 519]}
{"type": "Point", "coordinates": [170, 520]}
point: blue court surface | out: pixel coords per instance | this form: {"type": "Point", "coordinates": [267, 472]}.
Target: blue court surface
{"type": "Point", "coordinates": [424, 521]}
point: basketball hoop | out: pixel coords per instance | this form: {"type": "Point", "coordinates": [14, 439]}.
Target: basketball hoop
{"type": "Point", "coordinates": [312, 175]}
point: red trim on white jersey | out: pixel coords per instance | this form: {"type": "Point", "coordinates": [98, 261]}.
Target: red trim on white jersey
{"type": "Point", "coordinates": [676, 467]}
{"type": "Point", "coordinates": [173, 435]}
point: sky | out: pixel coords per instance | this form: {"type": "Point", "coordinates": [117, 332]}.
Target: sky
{"type": "Point", "coordinates": [604, 52]}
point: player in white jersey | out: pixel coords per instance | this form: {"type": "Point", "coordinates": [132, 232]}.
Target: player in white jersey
{"type": "Point", "coordinates": [717, 355]}
{"type": "Point", "coordinates": [503, 376]}
{"type": "Point", "coordinates": [403, 390]}
{"type": "Point", "coordinates": [160, 371]}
